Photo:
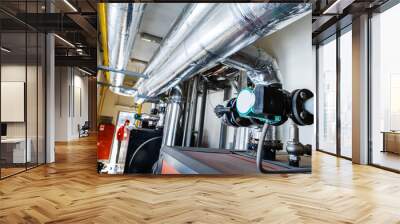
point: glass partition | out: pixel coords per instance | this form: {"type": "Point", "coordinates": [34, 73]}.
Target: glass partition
{"type": "Point", "coordinates": [22, 88]}
{"type": "Point", "coordinates": [15, 149]}
{"type": "Point", "coordinates": [327, 96]}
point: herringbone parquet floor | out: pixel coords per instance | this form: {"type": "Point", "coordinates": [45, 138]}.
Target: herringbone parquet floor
{"type": "Point", "coordinates": [70, 191]}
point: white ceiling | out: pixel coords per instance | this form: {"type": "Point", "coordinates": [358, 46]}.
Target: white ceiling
{"type": "Point", "coordinates": [157, 20]}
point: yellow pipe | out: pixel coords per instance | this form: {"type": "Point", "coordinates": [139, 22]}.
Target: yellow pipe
{"type": "Point", "coordinates": [104, 45]}
{"type": "Point", "coordinates": [139, 112]}
{"type": "Point", "coordinates": [103, 91]}
{"type": "Point", "coordinates": [104, 35]}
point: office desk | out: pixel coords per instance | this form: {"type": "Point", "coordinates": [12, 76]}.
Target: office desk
{"type": "Point", "coordinates": [15, 148]}
{"type": "Point", "coordinates": [391, 141]}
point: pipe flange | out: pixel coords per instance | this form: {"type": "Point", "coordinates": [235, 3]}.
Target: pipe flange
{"type": "Point", "coordinates": [298, 112]}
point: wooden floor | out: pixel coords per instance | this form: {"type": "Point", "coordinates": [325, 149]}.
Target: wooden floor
{"type": "Point", "coordinates": [70, 191]}
{"type": "Point", "coordinates": [386, 159]}
{"type": "Point", "coordinates": [11, 170]}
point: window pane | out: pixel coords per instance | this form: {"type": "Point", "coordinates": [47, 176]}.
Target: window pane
{"type": "Point", "coordinates": [346, 94]}
{"type": "Point", "coordinates": [385, 84]}
{"type": "Point", "coordinates": [327, 97]}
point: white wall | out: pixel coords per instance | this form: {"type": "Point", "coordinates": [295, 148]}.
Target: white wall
{"type": "Point", "coordinates": [211, 123]}
{"type": "Point", "coordinates": [61, 103]}
{"type": "Point", "coordinates": [292, 47]}
{"type": "Point", "coordinates": [81, 108]}
{"type": "Point", "coordinates": [71, 102]}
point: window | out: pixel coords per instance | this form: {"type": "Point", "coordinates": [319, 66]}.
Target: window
{"type": "Point", "coordinates": [385, 88]}
{"type": "Point", "coordinates": [346, 93]}
{"type": "Point", "coordinates": [327, 97]}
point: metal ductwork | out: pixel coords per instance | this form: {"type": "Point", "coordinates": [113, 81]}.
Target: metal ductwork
{"type": "Point", "coordinates": [260, 67]}
{"type": "Point", "coordinates": [224, 30]}
{"type": "Point", "coordinates": [192, 14]}
{"type": "Point", "coordinates": [172, 116]}
{"type": "Point", "coordinates": [123, 21]}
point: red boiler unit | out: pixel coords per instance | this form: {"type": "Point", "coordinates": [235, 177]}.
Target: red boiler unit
{"type": "Point", "coordinates": [104, 141]}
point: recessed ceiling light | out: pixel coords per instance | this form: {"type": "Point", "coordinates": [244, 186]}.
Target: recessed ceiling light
{"type": "Point", "coordinates": [65, 41]}
{"type": "Point", "coordinates": [139, 61]}
{"type": "Point", "coordinates": [71, 6]}
{"type": "Point", "coordinates": [150, 38]}
{"type": "Point", "coordinates": [337, 7]}
{"type": "Point", "coordinates": [145, 39]}
{"type": "Point", "coordinates": [220, 78]}
{"type": "Point", "coordinates": [5, 50]}
{"type": "Point", "coordinates": [84, 71]}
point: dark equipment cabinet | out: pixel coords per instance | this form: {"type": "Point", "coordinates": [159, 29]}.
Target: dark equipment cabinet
{"type": "Point", "coordinates": [143, 150]}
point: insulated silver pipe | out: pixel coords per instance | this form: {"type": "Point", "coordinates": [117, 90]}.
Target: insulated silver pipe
{"type": "Point", "coordinates": [188, 92]}
{"type": "Point", "coordinates": [272, 133]}
{"type": "Point", "coordinates": [162, 109]}
{"type": "Point", "coordinates": [153, 106]}
{"type": "Point", "coordinates": [192, 113]}
{"type": "Point", "coordinates": [202, 112]}
{"type": "Point", "coordinates": [172, 117]}
{"type": "Point", "coordinates": [242, 139]}
{"type": "Point", "coordinates": [260, 67]}
{"type": "Point", "coordinates": [223, 127]}
{"type": "Point", "coordinates": [192, 14]}
{"type": "Point", "coordinates": [123, 21]}
{"type": "Point", "coordinates": [226, 29]}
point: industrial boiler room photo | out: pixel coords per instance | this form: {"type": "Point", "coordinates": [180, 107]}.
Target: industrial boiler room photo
{"type": "Point", "coordinates": [205, 88]}
{"type": "Point", "coordinates": [181, 112]}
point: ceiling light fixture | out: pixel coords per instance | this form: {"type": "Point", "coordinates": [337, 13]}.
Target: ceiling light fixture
{"type": "Point", "coordinates": [145, 39]}
{"type": "Point", "coordinates": [65, 41]}
{"type": "Point", "coordinates": [5, 50]}
{"type": "Point", "coordinates": [70, 5]}
{"type": "Point", "coordinates": [84, 71]}
{"type": "Point", "coordinates": [337, 7]}
{"type": "Point", "coordinates": [150, 38]}
{"type": "Point", "coordinates": [139, 61]}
